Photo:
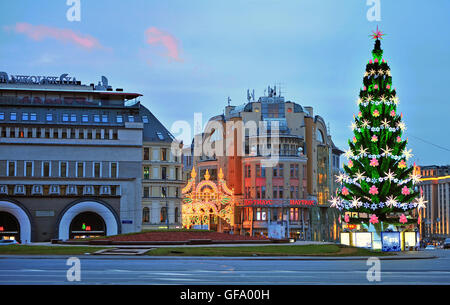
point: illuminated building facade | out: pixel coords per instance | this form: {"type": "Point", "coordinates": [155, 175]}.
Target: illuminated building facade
{"type": "Point", "coordinates": [70, 159]}
{"type": "Point", "coordinates": [435, 218]}
{"type": "Point", "coordinates": [285, 198]}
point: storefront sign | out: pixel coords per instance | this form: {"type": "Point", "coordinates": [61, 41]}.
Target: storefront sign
{"type": "Point", "coordinates": [37, 80]}
{"type": "Point", "coordinates": [269, 202]}
{"type": "Point", "coordinates": [350, 226]}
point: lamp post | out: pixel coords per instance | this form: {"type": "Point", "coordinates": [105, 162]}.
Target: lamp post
{"type": "Point", "coordinates": [167, 214]}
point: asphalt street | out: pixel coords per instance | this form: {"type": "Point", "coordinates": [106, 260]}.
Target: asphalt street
{"type": "Point", "coordinates": [205, 271]}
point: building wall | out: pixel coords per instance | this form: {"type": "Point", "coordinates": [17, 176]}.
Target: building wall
{"type": "Point", "coordinates": [153, 197]}
{"type": "Point", "coordinates": [101, 139]}
{"type": "Point", "coordinates": [435, 218]}
{"type": "Point", "coordinates": [314, 181]}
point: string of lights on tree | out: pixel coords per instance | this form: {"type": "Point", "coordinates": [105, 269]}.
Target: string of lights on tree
{"type": "Point", "coordinates": [377, 178]}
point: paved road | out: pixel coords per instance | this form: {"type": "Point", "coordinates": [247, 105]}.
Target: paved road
{"type": "Point", "coordinates": [122, 270]}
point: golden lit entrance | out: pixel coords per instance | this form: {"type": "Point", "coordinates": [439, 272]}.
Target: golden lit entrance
{"type": "Point", "coordinates": [207, 204]}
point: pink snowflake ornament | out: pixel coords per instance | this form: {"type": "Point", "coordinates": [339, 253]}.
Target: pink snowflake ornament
{"type": "Point", "coordinates": [373, 219]}
{"type": "Point", "coordinates": [403, 219]}
{"type": "Point", "coordinates": [373, 190]}
{"type": "Point", "coordinates": [374, 162]}
{"type": "Point", "coordinates": [345, 191]}
{"type": "Point", "coordinates": [346, 218]}
{"type": "Point", "coordinates": [405, 190]}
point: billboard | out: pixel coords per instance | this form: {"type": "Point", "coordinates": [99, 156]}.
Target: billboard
{"type": "Point", "coordinates": [363, 239]}
{"type": "Point", "coordinates": [410, 239]}
{"type": "Point", "coordinates": [345, 238]}
{"type": "Point", "coordinates": [390, 241]}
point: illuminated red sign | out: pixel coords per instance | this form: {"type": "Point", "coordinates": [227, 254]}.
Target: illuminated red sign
{"type": "Point", "coordinates": [267, 202]}
{"type": "Point", "coordinates": [2, 229]}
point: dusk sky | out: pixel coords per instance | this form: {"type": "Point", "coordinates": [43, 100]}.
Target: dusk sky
{"type": "Point", "coordinates": [189, 56]}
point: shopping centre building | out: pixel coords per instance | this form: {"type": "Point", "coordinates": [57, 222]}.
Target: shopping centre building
{"type": "Point", "coordinates": [278, 159]}
{"type": "Point", "coordinates": [435, 218]}
{"type": "Point", "coordinates": [70, 158]}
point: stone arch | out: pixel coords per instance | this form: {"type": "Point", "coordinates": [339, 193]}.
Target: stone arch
{"type": "Point", "coordinates": [103, 210]}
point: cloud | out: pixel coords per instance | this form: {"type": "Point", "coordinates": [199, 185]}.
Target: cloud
{"type": "Point", "coordinates": [156, 36]}
{"type": "Point", "coordinates": [41, 32]}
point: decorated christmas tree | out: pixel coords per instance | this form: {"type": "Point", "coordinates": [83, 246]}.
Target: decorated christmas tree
{"type": "Point", "coordinates": [378, 182]}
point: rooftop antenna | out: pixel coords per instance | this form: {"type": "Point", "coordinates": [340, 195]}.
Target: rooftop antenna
{"type": "Point", "coordinates": [248, 95]}
{"type": "Point", "coordinates": [279, 89]}
{"type": "Point", "coordinates": [253, 94]}
{"type": "Point", "coordinates": [229, 100]}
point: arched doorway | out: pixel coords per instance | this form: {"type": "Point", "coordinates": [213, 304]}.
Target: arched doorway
{"type": "Point", "coordinates": [18, 218]}
{"type": "Point", "coordinates": [9, 226]}
{"type": "Point", "coordinates": [87, 225]}
{"type": "Point", "coordinates": [100, 210]}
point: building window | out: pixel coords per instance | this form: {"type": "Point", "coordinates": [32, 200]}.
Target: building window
{"type": "Point", "coordinates": [146, 192]}
{"type": "Point", "coordinates": [164, 191]}
{"type": "Point", "coordinates": [104, 118]}
{"type": "Point", "coordinates": [145, 215]}
{"type": "Point", "coordinates": [73, 117]}
{"type": "Point", "coordinates": [248, 171]}
{"type": "Point", "coordinates": [160, 135]}
{"type": "Point", "coordinates": [46, 169]}
{"type": "Point", "coordinates": [80, 169]}
{"type": "Point", "coordinates": [176, 214]}
{"type": "Point", "coordinates": [163, 215]}
{"type": "Point", "coordinates": [49, 117]}
{"type": "Point", "coordinates": [146, 172]}
{"type": "Point", "coordinates": [2, 116]}
{"type": "Point", "coordinates": [25, 116]}
{"type": "Point", "coordinates": [278, 192]}
{"type": "Point", "coordinates": [263, 192]}
{"type": "Point", "coordinates": [13, 116]}
{"type": "Point", "coordinates": [28, 169]}
{"type": "Point", "coordinates": [85, 118]}
{"type": "Point", "coordinates": [11, 168]}
{"type": "Point", "coordinates": [146, 153]}
{"type": "Point", "coordinates": [63, 169]}
{"type": "Point", "coordinates": [96, 118]}
{"type": "Point", "coordinates": [163, 154]}
{"type": "Point", "coordinates": [33, 117]}
{"type": "Point", "coordinates": [130, 118]}
{"type": "Point", "coordinates": [113, 170]}
{"type": "Point", "coordinates": [293, 215]}
{"type": "Point", "coordinates": [261, 214]}
{"type": "Point", "coordinates": [119, 119]}
{"type": "Point", "coordinates": [163, 172]}
{"type": "Point", "coordinates": [65, 117]}
{"type": "Point", "coordinates": [97, 170]}
{"type": "Point", "coordinates": [144, 119]}
{"type": "Point", "coordinates": [294, 171]}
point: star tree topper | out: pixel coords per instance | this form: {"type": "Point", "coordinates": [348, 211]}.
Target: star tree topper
{"type": "Point", "coordinates": [377, 34]}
